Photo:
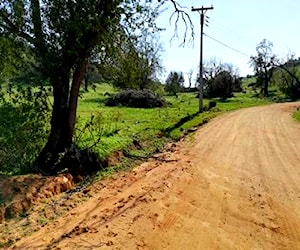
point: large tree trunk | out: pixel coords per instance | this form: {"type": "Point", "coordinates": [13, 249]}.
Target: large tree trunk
{"type": "Point", "coordinates": [62, 121]}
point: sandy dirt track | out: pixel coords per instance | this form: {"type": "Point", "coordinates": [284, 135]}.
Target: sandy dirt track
{"type": "Point", "coordinates": [234, 184]}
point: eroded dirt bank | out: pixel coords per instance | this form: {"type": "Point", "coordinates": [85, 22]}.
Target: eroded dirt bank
{"type": "Point", "coordinates": [234, 184]}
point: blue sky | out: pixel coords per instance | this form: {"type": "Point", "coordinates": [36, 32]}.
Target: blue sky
{"type": "Point", "coordinates": [240, 25]}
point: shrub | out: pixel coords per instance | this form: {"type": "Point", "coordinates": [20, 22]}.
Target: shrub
{"type": "Point", "coordinates": [136, 99]}
{"type": "Point", "coordinates": [24, 119]}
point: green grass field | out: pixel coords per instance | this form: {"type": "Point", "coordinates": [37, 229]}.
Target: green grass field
{"type": "Point", "coordinates": [136, 132]}
{"type": "Point", "coordinates": [120, 127]}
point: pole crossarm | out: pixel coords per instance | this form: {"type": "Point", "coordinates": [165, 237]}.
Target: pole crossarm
{"type": "Point", "coordinates": [202, 8]}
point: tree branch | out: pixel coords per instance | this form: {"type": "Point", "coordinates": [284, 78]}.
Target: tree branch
{"type": "Point", "coordinates": [12, 28]}
{"type": "Point", "coordinates": [37, 26]}
{"type": "Point", "coordinates": [183, 15]}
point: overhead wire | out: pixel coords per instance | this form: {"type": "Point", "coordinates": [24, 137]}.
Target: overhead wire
{"type": "Point", "coordinates": [228, 32]}
{"type": "Point", "coordinates": [219, 30]}
{"type": "Point", "coordinates": [227, 46]}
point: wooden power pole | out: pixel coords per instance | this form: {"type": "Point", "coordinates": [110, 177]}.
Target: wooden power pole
{"type": "Point", "coordinates": [202, 12]}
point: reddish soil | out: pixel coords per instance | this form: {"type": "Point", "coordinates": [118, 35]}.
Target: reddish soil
{"type": "Point", "coordinates": [233, 184]}
{"type": "Point", "coordinates": [18, 194]}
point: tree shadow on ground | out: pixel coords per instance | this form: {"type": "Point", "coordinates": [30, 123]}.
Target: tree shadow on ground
{"type": "Point", "coordinates": [182, 121]}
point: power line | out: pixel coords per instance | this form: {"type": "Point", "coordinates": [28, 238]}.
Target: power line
{"type": "Point", "coordinates": [229, 31]}
{"type": "Point", "coordinates": [218, 29]}
{"type": "Point", "coordinates": [227, 46]}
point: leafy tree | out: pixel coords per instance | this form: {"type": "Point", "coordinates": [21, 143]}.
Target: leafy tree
{"type": "Point", "coordinates": [222, 85]}
{"type": "Point", "coordinates": [263, 64]}
{"type": "Point", "coordinates": [174, 82]}
{"type": "Point", "coordinates": [15, 59]}
{"type": "Point", "coordinates": [220, 79]}
{"type": "Point", "coordinates": [135, 62]}
{"type": "Point", "coordinates": [92, 75]}
{"type": "Point", "coordinates": [62, 34]}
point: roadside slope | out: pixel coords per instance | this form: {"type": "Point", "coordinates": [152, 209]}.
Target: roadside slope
{"type": "Point", "coordinates": [234, 184]}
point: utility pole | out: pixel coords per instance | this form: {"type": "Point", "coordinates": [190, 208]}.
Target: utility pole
{"type": "Point", "coordinates": [202, 12]}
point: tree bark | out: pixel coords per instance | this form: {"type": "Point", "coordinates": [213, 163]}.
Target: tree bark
{"type": "Point", "coordinates": [58, 139]}
{"type": "Point", "coordinates": [63, 118]}
{"type": "Point", "coordinates": [73, 101]}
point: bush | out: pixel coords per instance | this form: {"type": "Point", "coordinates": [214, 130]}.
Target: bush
{"type": "Point", "coordinates": [24, 119]}
{"type": "Point", "coordinates": [136, 99]}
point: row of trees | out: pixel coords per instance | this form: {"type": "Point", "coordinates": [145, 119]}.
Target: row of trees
{"type": "Point", "coordinates": [220, 80]}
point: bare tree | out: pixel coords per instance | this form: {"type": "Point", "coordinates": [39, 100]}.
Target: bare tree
{"type": "Point", "coordinates": [263, 64]}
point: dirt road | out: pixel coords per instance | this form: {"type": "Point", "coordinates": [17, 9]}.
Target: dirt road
{"type": "Point", "coordinates": [234, 184]}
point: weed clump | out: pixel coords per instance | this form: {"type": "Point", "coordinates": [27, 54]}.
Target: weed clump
{"type": "Point", "coordinates": [136, 99]}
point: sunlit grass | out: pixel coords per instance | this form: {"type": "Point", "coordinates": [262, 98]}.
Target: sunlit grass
{"type": "Point", "coordinates": [297, 115]}
{"type": "Point", "coordinates": [121, 126]}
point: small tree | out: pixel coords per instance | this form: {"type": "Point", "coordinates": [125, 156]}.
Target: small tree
{"type": "Point", "coordinates": [263, 64]}
{"type": "Point", "coordinates": [135, 62]}
{"type": "Point", "coordinates": [174, 82]}
{"type": "Point", "coordinates": [221, 79]}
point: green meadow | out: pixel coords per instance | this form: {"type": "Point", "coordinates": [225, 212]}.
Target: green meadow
{"type": "Point", "coordinates": [120, 128]}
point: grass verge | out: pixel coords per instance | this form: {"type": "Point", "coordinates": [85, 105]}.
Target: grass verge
{"type": "Point", "coordinates": [297, 115]}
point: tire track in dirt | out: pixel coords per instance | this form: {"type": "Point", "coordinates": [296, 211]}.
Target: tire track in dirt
{"type": "Point", "coordinates": [234, 184]}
